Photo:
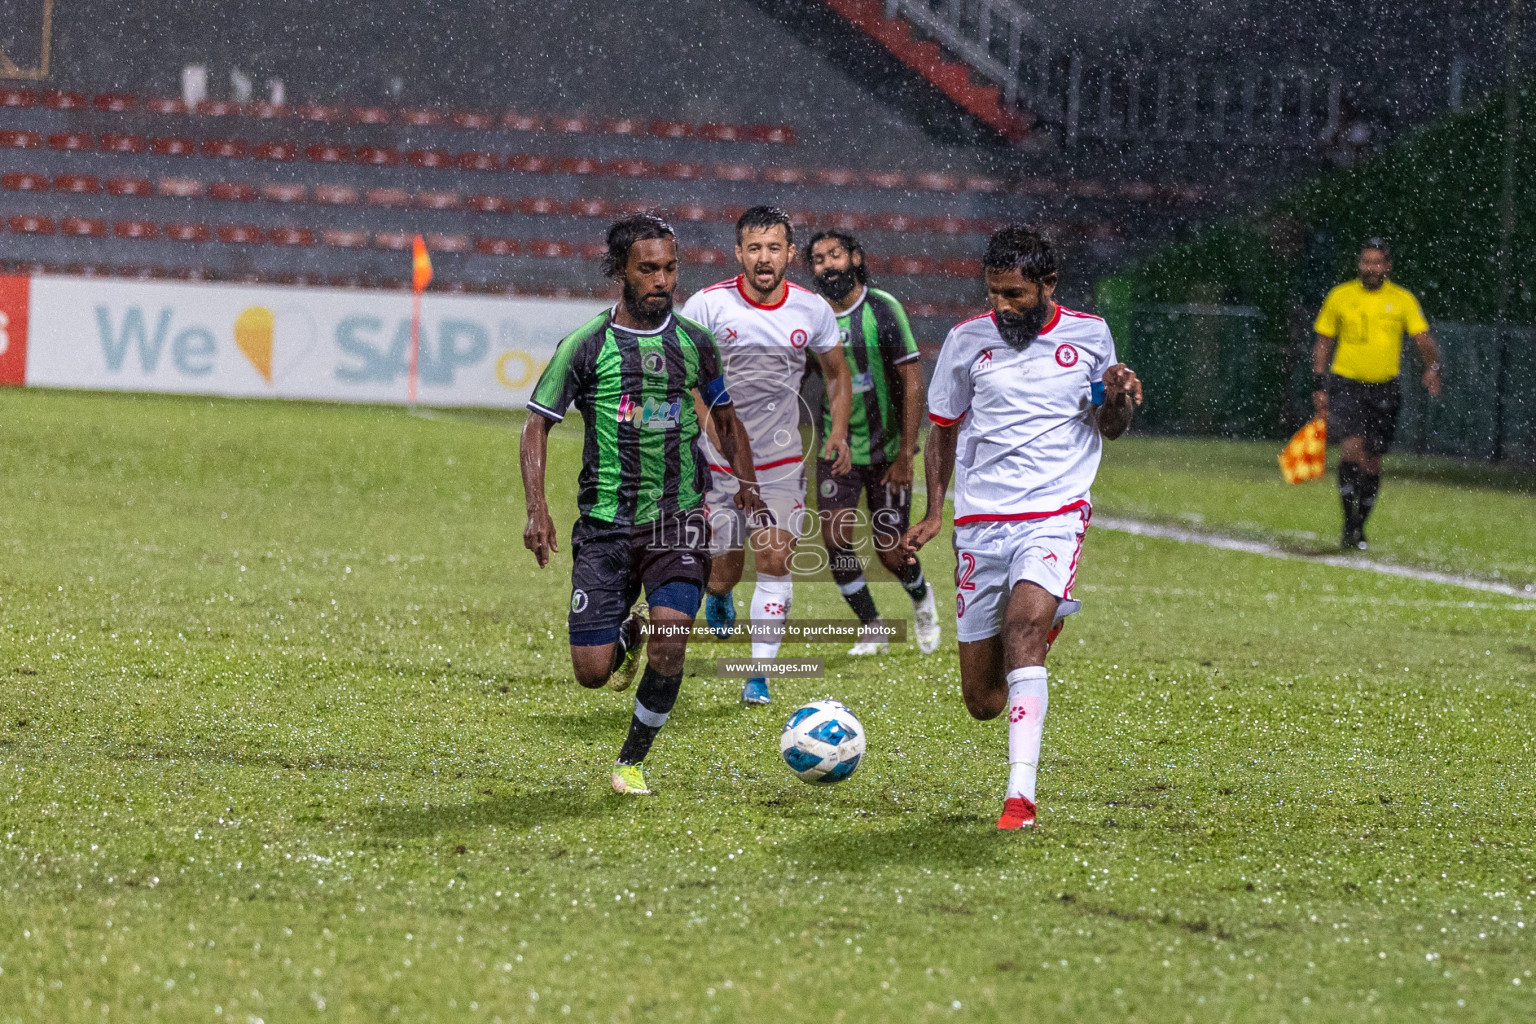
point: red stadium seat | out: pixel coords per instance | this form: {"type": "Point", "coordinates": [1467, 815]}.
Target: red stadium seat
{"type": "Point", "coordinates": [112, 142]}
{"type": "Point", "coordinates": [629, 168]}
{"type": "Point", "coordinates": [266, 111]}
{"type": "Point", "coordinates": [479, 162]}
{"type": "Point", "coordinates": [231, 149]}
{"type": "Point", "coordinates": [692, 212]}
{"type": "Point", "coordinates": [29, 224]}
{"type": "Point", "coordinates": [79, 184]}
{"type": "Point", "coordinates": [979, 183]}
{"type": "Point", "coordinates": [318, 112]}
{"type": "Point", "coordinates": [429, 158]}
{"type": "Point", "coordinates": [886, 179]}
{"type": "Point", "coordinates": [909, 265]}
{"type": "Point", "coordinates": [421, 118]}
{"type": "Point", "coordinates": [336, 194]}
{"type": "Point", "coordinates": [219, 108]}
{"type": "Point", "coordinates": [537, 206]}
{"type": "Point", "coordinates": [439, 200]}
{"type": "Point", "coordinates": [387, 197]}
{"type": "Point", "coordinates": [671, 129]}
{"type": "Point", "coordinates": [530, 163]}
{"type": "Point", "coordinates": [276, 151]}
{"type": "Point", "coordinates": [590, 208]}
{"type": "Point", "coordinates": [704, 257]}
{"type": "Point", "coordinates": [777, 134]}
{"type": "Point", "coordinates": [165, 105]}
{"type": "Point", "coordinates": [343, 238]}
{"type": "Point", "coordinates": [837, 177]}
{"type": "Point", "coordinates": [447, 243]}
{"type": "Point", "coordinates": [496, 246]}
{"type": "Point", "coordinates": [72, 141]}
{"type": "Point", "coordinates": [960, 267]}
{"type": "Point", "coordinates": [20, 140]}
{"type": "Point", "coordinates": [729, 214]}
{"type": "Point", "coordinates": [936, 181]}
{"type": "Point", "coordinates": [893, 222]}
{"type": "Point", "coordinates": [721, 132]}
{"type": "Point", "coordinates": [479, 122]}
{"type": "Point", "coordinates": [83, 227]}
{"type": "Point", "coordinates": [784, 175]}
{"type": "Point", "coordinates": [580, 165]}
{"type": "Point", "coordinates": [190, 232]}
{"type": "Point", "coordinates": [489, 204]}
{"type": "Point", "coordinates": [180, 188]}
{"type": "Point", "coordinates": [129, 187]}
{"type": "Point", "coordinates": [231, 191]}
{"type": "Point", "coordinates": [322, 153]}
{"type": "Point", "coordinates": [516, 122]}
{"type": "Point", "coordinates": [377, 156]}
{"type": "Point", "coordinates": [291, 236]}
{"type": "Point", "coordinates": [947, 225]}
{"type": "Point", "coordinates": [115, 103]}
{"type": "Point", "coordinates": [675, 170]}
{"type": "Point", "coordinates": [735, 172]}
{"type": "Point", "coordinates": [284, 192]}
{"type": "Point", "coordinates": [548, 248]}
{"type": "Point", "coordinates": [21, 181]}
{"type": "Point", "coordinates": [570, 124]}
{"type": "Point", "coordinates": [876, 264]}
{"type": "Point", "coordinates": [18, 98]}
{"type": "Point", "coordinates": [63, 101]}
{"type": "Point", "coordinates": [623, 126]}
{"type": "Point", "coordinates": [843, 221]}
{"type": "Point", "coordinates": [398, 240]}
{"type": "Point", "coordinates": [172, 146]}
{"type": "Point", "coordinates": [240, 234]}
{"type": "Point", "coordinates": [593, 250]}
{"type": "Point", "coordinates": [136, 229]}
{"type": "Point", "coordinates": [368, 115]}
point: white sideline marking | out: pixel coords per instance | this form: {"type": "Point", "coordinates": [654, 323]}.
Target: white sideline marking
{"type": "Point", "coordinates": [1258, 547]}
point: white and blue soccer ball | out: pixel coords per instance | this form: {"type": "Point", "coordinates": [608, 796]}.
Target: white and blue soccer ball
{"type": "Point", "coordinates": [822, 742]}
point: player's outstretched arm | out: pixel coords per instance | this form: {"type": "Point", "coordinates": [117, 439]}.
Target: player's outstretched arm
{"type": "Point", "coordinates": [938, 466]}
{"type": "Point", "coordinates": [532, 450]}
{"type": "Point", "coordinates": [834, 370]}
{"type": "Point", "coordinates": [733, 444]}
{"type": "Point", "coordinates": [1122, 394]}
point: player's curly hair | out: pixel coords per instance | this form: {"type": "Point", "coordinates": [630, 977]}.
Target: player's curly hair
{"type": "Point", "coordinates": [1021, 248]}
{"type": "Point", "coordinates": [762, 217]}
{"type": "Point", "coordinates": [847, 241]}
{"type": "Point", "coordinates": [623, 235]}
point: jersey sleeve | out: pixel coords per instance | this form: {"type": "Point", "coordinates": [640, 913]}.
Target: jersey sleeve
{"type": "Point", "coordinates": [824, 333]}
{"type": "Point", "coordinates": [1104, 359]}
{"type": "Point", "coordinates": [711, 379]}
{"type": "Point", "coordinates": [1327, 323]}
{"type": "Point", "coordinates": [562, 378]}
{"type": "Point", "coordinates": [1414, 322]}
{"type": "Point", "coordinates": [697, 310]}
{"type": "Point", "coordinates": [949, 393]}
{"type": "Point", "coordinates": [897, 345]}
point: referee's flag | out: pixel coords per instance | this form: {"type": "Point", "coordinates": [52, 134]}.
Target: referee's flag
{"type": "Point", "coordinates": [1305, 456]}
{"type": "Point", "coordinates": [421, 265]}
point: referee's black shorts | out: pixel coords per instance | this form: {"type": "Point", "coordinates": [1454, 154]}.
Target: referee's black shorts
{"type": "Point", "coordinates": [1366, 411]}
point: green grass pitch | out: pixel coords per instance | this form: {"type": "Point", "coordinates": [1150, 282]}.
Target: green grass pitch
{"type": "Point", "coordinates": [287, 733]}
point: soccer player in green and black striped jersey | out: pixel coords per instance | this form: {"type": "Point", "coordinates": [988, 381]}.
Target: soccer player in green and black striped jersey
{"type": "Point", "coordinates": [882, 435]}
{"type": "Point", "coordinates": [635, 372]}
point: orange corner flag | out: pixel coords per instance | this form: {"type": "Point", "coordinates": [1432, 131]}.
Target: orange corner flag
{"type": "Point", "coordinates": [421, 265]}
{"type": "Point", "coordinates": [1304, 458]}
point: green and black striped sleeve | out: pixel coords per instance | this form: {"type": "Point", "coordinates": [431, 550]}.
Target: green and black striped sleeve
{"type": "Point", "coordinates": [571, 365]}
{"type": "Point", "coordinates": [894, 331]}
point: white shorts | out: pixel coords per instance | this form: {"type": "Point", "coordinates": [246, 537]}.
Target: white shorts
{"type": "Point", "coordinates": [991, 558]}
{"type": "Point", "coordinates": [783, 492]}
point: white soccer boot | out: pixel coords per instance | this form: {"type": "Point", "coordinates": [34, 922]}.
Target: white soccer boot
{"type": "Point", "coordinates": [925, 622]}
{"type": "Point", "coordinates": [869, 644]}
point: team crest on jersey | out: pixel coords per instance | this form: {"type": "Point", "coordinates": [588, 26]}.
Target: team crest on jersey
{"type": "Point", "coordinates": [655, 414]}
{"type": "Point", "coordinates": [798, 338]}
{"type": "Point", "coordinates": [983, 361]}
{"type": "Point", "coordinates": [579, 601]}
{"type": "Point", "coordinates": [1066, 356]}
{"type": "Point", "coordinates": [843, 335]}
{"type": "Point", "coordinates": [828, 488]}
{"type": "Point", "coordinates": [653, 362]}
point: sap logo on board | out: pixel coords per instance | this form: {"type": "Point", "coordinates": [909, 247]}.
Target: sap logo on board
{"type": "Point", "coordinates": [192, 350]}
{"type": "Point", "coordinates": [374, 360]}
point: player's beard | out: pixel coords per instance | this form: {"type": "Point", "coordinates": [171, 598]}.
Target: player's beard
{"type": "Point", "coordinates": [651, 311]}
{"type": "Point", "coordinates": [836, 284]}
{"type": "Point", "coordinates": [1019, 329]}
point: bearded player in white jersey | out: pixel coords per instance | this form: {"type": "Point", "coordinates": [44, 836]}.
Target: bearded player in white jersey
{"type": "Point", "coordinates": [1021, 402]}
{"type": "Point", "coordinates": [763, 325]}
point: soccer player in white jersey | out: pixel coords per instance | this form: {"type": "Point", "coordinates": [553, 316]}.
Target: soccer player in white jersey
{"type": "Point", "coordinates": [763, 325]}
{"type": "Point", "coordinates": [1021, 401]}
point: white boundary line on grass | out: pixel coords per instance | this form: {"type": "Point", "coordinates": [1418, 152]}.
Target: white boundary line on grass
{"type": "Point", "coordinates": [1257, 547]}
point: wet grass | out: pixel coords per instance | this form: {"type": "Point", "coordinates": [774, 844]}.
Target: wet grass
{"type": "Point", "coordinates": [287, 732]}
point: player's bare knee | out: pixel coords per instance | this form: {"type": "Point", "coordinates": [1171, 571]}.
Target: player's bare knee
{"type": "Point", "coordinates": [667, 656]}
{"type": "Point", "coordinates": [985, 703]}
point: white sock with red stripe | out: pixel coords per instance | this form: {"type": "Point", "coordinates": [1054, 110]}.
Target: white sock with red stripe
{"type": "Point", "coordinates": [770, 606]}
{"type": "Point", "coordinates": [1027, 701]}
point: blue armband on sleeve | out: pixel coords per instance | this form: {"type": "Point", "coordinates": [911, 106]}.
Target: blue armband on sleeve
{"type": "Point", "coordinates": [715, 393]}
{"type": "Point", "coordinates": [1096, 392]}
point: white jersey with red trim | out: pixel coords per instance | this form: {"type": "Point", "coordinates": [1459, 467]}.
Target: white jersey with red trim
{"type": "Point", "coordinates": [1029, 446]}
{"type": "Point", "coordinates": [763, 349]}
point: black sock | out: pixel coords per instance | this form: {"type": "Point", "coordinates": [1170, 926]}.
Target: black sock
{"type": "Point", "coordinates": [1349, 495]}
{"type": "Point", "coordinates": [654, 698]}
{"type": "Point", "coordinates": [912, 581]}
{"type": "Point", "coordinates": [1369, 487]}
{"type": "Point", "coordinates": [863, 604]}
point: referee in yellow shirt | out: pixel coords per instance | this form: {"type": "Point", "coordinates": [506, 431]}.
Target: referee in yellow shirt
{"type": "Point", "coordinates": [1356, 361]}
